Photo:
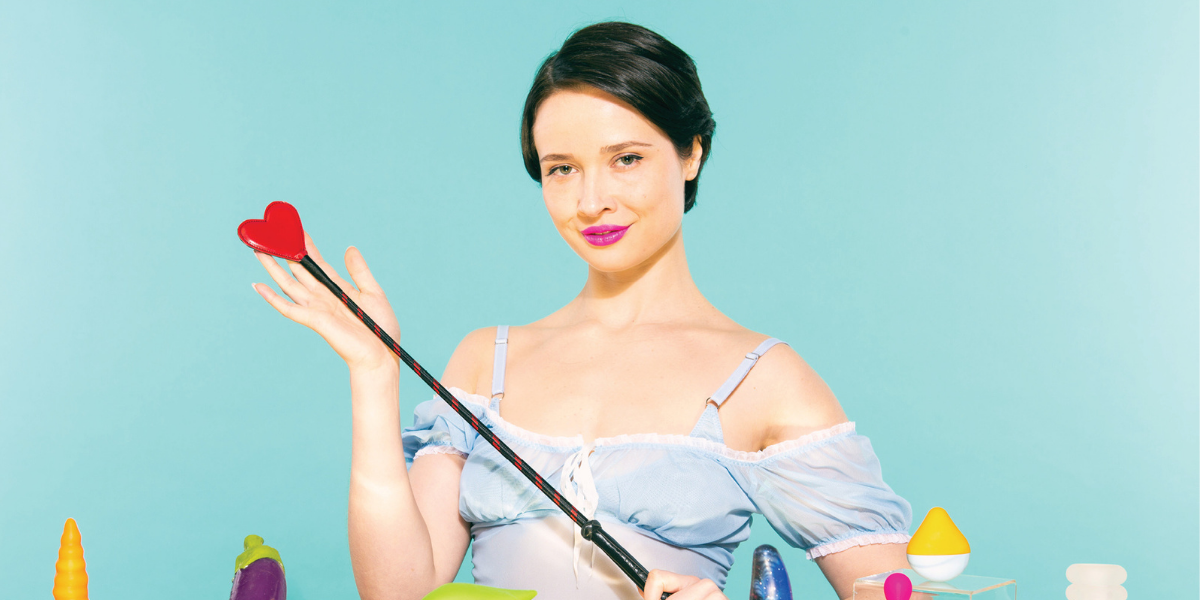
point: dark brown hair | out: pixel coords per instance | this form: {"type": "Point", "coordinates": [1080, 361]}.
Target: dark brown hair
{"type": "Point", "coordinates": [638, 67]}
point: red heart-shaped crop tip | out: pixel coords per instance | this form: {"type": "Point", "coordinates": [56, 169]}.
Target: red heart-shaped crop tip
{"type": "Point", "coordinates": [278, 233]}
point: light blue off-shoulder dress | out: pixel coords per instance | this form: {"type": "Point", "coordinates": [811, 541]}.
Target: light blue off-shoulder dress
{"type": "Point", "coordinates": [677, 502]}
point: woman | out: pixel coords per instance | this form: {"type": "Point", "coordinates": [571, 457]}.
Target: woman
{"type": "Point", "coordinates": [651, 410]}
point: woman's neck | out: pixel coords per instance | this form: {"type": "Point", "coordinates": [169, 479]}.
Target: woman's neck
{"type": "Point", "coordinates": [658, 290]}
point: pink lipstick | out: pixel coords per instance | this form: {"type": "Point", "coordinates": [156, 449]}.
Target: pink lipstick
{"type": "Point", "coordinates": [604, 235]}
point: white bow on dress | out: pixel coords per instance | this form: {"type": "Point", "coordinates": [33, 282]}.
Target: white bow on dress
{"type": "Point", "coordinates": [579, 489]}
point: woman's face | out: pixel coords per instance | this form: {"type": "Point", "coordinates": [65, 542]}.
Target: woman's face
{"type": "Point", "coordinates": [612, 181]}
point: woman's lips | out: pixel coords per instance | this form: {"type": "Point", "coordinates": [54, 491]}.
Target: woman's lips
{"type": "Point", "coordinates": [604, 235]}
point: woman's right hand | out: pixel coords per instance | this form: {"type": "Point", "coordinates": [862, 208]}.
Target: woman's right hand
{"type": "Point", "coordinates": [681, 587]}
{"type": "Point", "coordinates": [315, 307]}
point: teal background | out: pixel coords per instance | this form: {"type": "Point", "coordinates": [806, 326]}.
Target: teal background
{"type": "Point", "coordinates": [977, 220]}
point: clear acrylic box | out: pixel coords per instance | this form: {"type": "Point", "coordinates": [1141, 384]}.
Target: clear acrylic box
{"type": "Point", "coordinates": [963, 587]}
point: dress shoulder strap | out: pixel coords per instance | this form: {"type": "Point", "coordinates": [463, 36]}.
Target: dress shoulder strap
{"type": "Point", "coordinates": [501, 355]}
{"type": "Point", "coordinates": [743, 369]}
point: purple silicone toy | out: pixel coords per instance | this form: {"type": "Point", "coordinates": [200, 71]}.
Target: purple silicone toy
{"type": "Point", "coordinates": [259, 573]}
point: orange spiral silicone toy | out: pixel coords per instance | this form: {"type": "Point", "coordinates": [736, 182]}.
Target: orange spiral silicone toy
{"type": "Point", "coordinates": [70, 578]}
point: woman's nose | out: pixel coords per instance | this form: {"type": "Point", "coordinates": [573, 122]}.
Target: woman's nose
{"type": "Point", "coordinates": [594, 199]}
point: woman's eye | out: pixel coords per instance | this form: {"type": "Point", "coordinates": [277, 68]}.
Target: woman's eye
{"type": "Point", "coordinates": [563, 169]}
{"type": "Point", "coordinates": [628, 159]}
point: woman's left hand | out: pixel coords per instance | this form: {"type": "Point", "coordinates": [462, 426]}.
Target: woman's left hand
{"type": "Point", "coordinates": [681, 587]}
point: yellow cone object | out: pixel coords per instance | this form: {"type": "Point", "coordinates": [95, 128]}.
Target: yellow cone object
{"type": "Point", "coordinates": [937, 536]}
{"type": "Point", "coordinates": [938, 551]}
{"type": "Point", "coordinates": [70, 578]}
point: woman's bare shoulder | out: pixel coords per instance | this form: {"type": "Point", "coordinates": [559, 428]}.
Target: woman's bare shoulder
{"type": "Point", "coordinates": [465, 369]}
{"type": "Point", "coordinates": [787, 398]}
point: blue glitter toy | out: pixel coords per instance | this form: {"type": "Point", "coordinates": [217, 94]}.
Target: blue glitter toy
{"type": "Point", "coordinates": [768, 576]}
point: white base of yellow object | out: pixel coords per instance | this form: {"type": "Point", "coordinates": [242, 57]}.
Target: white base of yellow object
{"type": "Point", "coordinates": [939, 567]}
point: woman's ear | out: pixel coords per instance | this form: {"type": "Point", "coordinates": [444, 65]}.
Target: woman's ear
{"type": "Point", "coordinates": [691, 165]}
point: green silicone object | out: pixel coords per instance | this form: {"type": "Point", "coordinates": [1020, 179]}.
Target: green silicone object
{"type": "Point", "coordinates": [470, 591]}
{"type": "Point", "coordinates": [254, 551]}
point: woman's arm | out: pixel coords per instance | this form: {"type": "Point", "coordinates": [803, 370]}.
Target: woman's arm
{"type": "Point", "coordinates": [391, 549]}
{"type": "Point", "coordinates": [405, 534]}
{"type": "Point", "coordinates": [842, 568]}
{"type": "Point", "coordinates": [800, 403]}
{"type": "Point", "coordinates": [393, 512]}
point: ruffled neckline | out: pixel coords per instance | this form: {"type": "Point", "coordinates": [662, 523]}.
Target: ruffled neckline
{"type": "Point", "coordinates": [565, 443]}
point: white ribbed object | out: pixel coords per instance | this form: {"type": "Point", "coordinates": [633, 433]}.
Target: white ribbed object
{"type": "Point", "coordinates": [1088, 574]}
{"type": "Point", "coordinates": [1083, 591]}
{"type": "Point", "coordinates": [1096, 582]}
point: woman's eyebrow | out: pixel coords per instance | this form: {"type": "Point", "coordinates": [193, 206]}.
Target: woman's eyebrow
{"type": "Point", "coordinates": [604, 150]}
{"type": "Point", "coordinates": [622, 146]}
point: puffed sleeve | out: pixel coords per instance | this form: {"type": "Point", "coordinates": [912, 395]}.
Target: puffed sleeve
{"type": "Point", "coordinates": [825, 493]}
{"type": "Point", "coordinates": [437, 429]}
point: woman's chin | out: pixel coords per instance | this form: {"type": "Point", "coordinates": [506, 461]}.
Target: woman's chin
{"type": "Point", "coordinates": [609, 266]}
{"type": "Point", "coordinates": [611, 259]}
{"type": "Point", "coordinates": [619, 258]}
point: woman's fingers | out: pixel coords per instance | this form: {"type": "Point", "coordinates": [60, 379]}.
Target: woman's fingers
{"type": "Point", "coordinates": [304, 277]}
{"type": "Point", "coordinates": [705, 589]}
{"type": "Point", "coordinates": [290, 310]}
{"type": "Point", "coordinates": [323, 313]}
{"type": "Point", "coordinates": [315, 254]}
{"type": "Point", "coordinates": [291, 287]}
{"type": "Point", "coordinates": [655, 584]}
{"type": "Point", "coordinates": [356, 265]}
{"type": "Point", "coordinates": [681, 587]}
